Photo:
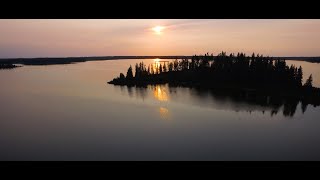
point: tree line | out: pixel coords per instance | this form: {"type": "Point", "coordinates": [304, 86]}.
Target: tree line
{"type": "Point", "coordinates": [233, 70]}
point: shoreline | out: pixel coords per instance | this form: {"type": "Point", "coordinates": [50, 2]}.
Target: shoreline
{"type": "Point", "coordinates": [70, 60]}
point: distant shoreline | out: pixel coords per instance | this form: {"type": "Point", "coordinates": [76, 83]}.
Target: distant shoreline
{"type": "Point", "coordinates": [70, 60]}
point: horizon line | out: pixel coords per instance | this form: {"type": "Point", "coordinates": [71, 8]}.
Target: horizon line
{"type": "Point", "coordinates": [43, 57]}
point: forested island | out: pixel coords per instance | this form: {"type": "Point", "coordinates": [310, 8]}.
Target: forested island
{"type": "Point", "coordinates": [249, 74]}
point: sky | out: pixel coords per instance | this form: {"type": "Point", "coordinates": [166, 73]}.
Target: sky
{"type": "Point", "coordinates": [124, 37]}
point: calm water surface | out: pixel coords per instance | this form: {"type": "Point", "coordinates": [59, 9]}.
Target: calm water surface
{"type": "Point", "coordinates": [69, 112]}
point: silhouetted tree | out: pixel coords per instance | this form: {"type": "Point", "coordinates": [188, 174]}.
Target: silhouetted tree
{"type": "Point", "coordinates": [129, 74]}
{"type": "Point", "coordinates": [137, 71]}
{"type": "Point", "coordinates": [149, 70]}
{"type": "Point", "coordinates": [299, 76]}
{"type": "Point", "coordinates": [170, 66]}
{"type": "Point", "coordinates": [175, 65]}
{"type": "Point", "coordinates": [122, 77]}
{"type": "Point", "coordinates": [164, 67]}
{"type": "Point", "coordinates": [309, 82]}
{"type": "Point", "coordinates": [152, 69]}
{"type": "Point", "coordinates": [160, 68]}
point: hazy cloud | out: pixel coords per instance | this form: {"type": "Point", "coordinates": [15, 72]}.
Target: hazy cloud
{"type": "Point", "coordinates": [95, 37]}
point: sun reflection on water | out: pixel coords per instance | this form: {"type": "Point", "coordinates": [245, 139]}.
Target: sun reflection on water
{"type": "Point", "coordinates": [164, 113]}
{"type": "Point", "coordinates": [160, 93]}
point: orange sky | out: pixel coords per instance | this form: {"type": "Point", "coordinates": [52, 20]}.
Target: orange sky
{"type": "Point", "coordinates": [60, 38]}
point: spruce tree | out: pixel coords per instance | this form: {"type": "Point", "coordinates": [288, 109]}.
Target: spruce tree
{"type": "Point", "coordinates": [129, 74]}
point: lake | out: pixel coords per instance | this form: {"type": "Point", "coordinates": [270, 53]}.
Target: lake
{"type": "Point", "coordinates": [69, 112]}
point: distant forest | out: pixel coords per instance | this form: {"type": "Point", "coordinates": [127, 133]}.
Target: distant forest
{"type": "Point", "coordinates": [70, 60]}
{"type": "Point", "coordinates": [252, 73]}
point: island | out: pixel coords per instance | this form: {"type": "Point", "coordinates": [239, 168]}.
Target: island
{"type": "Point", "coordinates": [8, 66]}
{"type": "Point", "coordinates": [232, 73]}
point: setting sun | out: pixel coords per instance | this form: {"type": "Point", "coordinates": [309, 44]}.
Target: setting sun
{"type": "Point", "coordinates": [158, 29]}
{"type": "Point", "coordinates": [160, 89]}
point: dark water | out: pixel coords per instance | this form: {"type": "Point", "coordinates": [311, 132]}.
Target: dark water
{"type": "Point", "coordinates": [69, 112]}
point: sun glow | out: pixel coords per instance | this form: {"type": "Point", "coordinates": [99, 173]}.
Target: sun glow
{"type": "Point", "coordinates": [158, 29]}
{"type": "Point", "coordinates": [156, 64]}
{"type": "Point", "coordinates": [160, 94]}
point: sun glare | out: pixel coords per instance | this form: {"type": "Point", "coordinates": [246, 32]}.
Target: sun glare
{"type": "Point", "coordinates": [158, 29]}
{"type": "Point", "coordinates": [160, 94]}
